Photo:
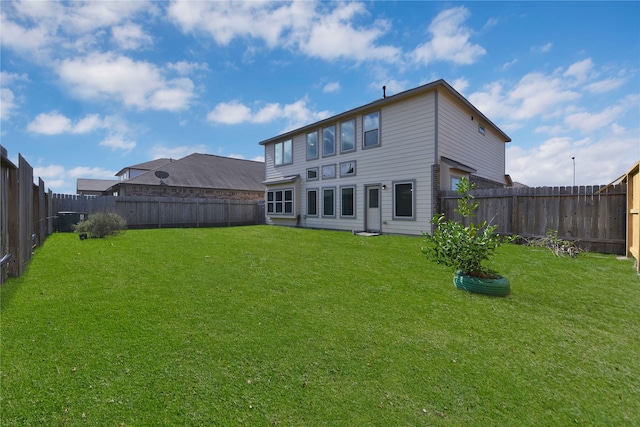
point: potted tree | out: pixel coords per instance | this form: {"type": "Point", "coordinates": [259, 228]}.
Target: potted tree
{"type": "Point", "coordinates": [466, 247]}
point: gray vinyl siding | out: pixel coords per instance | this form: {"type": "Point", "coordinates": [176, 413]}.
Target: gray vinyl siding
{"type": "Point", "coordinates": [460, 140]}
{"type": "Point", "coordinates": [406, 153]}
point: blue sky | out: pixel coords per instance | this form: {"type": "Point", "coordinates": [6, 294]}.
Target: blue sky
{"type": "Point", "coordinates": [91, 87]}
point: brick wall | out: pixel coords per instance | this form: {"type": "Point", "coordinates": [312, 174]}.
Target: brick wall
{"type": "Point", "coordinates": [198, 193]}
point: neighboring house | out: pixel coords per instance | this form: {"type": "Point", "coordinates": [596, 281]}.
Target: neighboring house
{"type": "Point", "coordinates": [135, 170]}
{"type": "Point", "coordinates": [380, 167]}
{"type": "Point", "coordinates": [197, 176]}
{"type": "Point", "coordinates": [93, 187]}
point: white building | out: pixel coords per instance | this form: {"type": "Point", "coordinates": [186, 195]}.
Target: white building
{"type": "Point", "coordinates": [379, 167]}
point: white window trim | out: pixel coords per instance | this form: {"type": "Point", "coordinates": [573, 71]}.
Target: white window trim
{"type": "Point", "coordinates": [394, 184]}
{"type": "Point", "coordinates": [274, 211]}
{"type": "Point", "coordinates": [335, 140]}
{"type": "Point", "coordinates": [317, 145]}
{"type": "Point", "coordinates": [353, 187]}
{"type": "Point", "coordinates": [354, 168]}
{"type": "Point", "coordinates": [317, 214]}
{"type": "Point", "coordinates": [327, 167]}
{"type": "Point", "coordinates": [316, 169]}
{"type": "Point", "coordinates": [355, 144]}
{"type": "Point", "coordinates": [281, 144]}
{"type": "Point", "coordinates": [364, 131]}
{"type": "Point", "coordinates": [334, 202]}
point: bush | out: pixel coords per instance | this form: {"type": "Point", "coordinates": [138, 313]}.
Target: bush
{"type": "Point", "coordinates": [102, 224]}
{"type": "Point", "coordinates": [463, 247]}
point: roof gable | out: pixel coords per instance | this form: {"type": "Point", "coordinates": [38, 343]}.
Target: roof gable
{"type": "Point", "coordinates": [150, 165]}
{"type": "Point", "coordinates": [429, 87]}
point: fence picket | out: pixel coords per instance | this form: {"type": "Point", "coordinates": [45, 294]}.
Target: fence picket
{"type": "Point", "coordinates": [594, 218]}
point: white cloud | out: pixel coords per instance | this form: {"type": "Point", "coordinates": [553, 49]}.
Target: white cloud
{"type": "Point", "coordinates": [587, 122]}
{"type": "Point", "coordinates": [605, 85]}
{"type": "Point", "coordinates": [45, 30]}
{"type": "Point", "coordinates": [185, 67]}
{"type": "Point", "coordinates": [331, 87]}
{"type": "Point", "coordinates": [536, 94]}
{"type": "Point", "coordinates": [449, 40]}
{"type": "Point", "coordinates": [131, 36]}
{"type": "Point", "coordinates": [316, 29]}
{"type": "Point", "coordinates": [543, 48]}
{"type": "Point", "coordinates": [8, 100]}
{"type": "Point", "coordinates": [52, 123]}
{"type": "Point", "coordinates": [230, 113]}
{"type": "Point", "coordinates": [580, 70]}
{"type": "Point", "coordinates": [226, 20]}
{"type": "Point", "coordinates": [324, 37]}
{"type": "Point", "coordinates": [295, 115]}
{"type": "Point", "coordinates": [598, 161]}
{"type": "Point", "coordinates": [118, 142]}
{"type": "Point", "coordinates": [460, 84]}
{"type": "Point", "coordinates": [137, 84]}
{"type": "Point", "coordinates": [508, 64]}
{"type": "Point", "coordinates": [88, 124]}
{"type": "Point", "coordinates": [7, 103]}
{"type": "Point", "coordinates": [63, 181]}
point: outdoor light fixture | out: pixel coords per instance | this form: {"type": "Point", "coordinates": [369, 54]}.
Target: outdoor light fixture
{"type": "Point", "coordinates": [384, 186]}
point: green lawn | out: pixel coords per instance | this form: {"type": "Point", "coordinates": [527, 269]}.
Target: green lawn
{"type": "Point", "coordinates": [273, 326]}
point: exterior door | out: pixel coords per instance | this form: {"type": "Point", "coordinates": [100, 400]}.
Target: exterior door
{"type": "Point", "coordinates": [373, 209]}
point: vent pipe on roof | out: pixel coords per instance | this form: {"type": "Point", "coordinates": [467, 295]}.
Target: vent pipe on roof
{"type": "Point", "coordinates": [384, 91]}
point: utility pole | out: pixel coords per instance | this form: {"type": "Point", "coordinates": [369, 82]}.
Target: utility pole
{"type": "Point", "coordinates": [574, 170]}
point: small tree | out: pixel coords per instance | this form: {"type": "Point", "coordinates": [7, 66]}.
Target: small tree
{"type": "Point", "coordinates": [463, 247]}
{"type": "Point", "coordinates": [102, 224]}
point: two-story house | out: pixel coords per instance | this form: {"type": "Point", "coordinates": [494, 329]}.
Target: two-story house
{"type": "Point", "coordinates": [380, 167]}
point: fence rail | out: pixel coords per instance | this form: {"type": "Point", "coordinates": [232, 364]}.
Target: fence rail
{"type": "Point", "coordinates": [592, 215]}
{"type": "Point", "coordinates": [165, 212]}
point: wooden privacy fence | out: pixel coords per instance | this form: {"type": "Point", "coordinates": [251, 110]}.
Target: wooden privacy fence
{"type": "Point", "coordinates": [594, 216]}
{"type": "Point", "coordinates": [166, 212]}
{"type": "Point", "coordinates": [25, 215]}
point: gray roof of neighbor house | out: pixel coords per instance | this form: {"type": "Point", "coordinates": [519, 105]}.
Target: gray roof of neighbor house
{"type": "Point", "coordinates": [392, 99]}
{"type": "Point", "coordinates": [150, 165]}
{"type": "Point", "coordinates": [93, 185]}
{"type": "Point", "coordinates": [207, 171]}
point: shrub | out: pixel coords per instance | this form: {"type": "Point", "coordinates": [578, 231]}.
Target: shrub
{"type": "Point", "coordinates": [463, 247]}
{"type": "Point", "coordinates": [102, 224]}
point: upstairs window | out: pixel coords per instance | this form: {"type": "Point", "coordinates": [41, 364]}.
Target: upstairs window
{"type": "Point", "coordinates": [348, 136]}
{"type": "Point", "coordinates": [371, 130]}
{"type": "Point", "coordinates": [312, 145]}
{"type": "Point", "coordinates": [284, 153]}
{"type": "Point", "coordinates": [329, 141]}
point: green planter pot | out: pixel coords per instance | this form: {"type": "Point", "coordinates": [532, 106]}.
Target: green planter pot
{"type": "Point", "coordinates": [499, 286]}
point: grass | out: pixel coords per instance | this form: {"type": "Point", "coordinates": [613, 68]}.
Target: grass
{"type": "Point", "coordinates": [269, 326]}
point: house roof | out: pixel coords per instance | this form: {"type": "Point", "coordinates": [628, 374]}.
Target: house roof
{"type": "Point", "coordinates": [438, 84]}
{"type": "Point", "coordinates": [206, 171]}
{"type": "Point", "coordinates": [146, 166]}
{"type": "Point", "coordinates": [84, 184]}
